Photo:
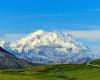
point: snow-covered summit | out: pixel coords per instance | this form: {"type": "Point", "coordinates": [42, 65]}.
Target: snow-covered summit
{"type": "Point", "coordinates": [1, 43]}
{"type": "Point", "coordinates": [52, 39]}
{"type": "Point", "coordinates": [48, 47]}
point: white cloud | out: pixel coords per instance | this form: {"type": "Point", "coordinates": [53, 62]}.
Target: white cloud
{"type": "Point", "coordinates": [89, 35]}
{"type": "Point", "coordinates": [92, 35]}
{"type": "Point", "coordinates": [11, 36]}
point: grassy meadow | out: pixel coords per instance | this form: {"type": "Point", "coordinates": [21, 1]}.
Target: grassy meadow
{"type": "Point", "coordinates": [53, 72]}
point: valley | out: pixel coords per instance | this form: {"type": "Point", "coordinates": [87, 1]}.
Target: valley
{"type": "Point", "coordinates": [53, 72]}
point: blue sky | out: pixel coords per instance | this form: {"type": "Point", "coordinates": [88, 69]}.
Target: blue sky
{"type": "Point", "coordinates": [79, 17]}
{"type": "Point", "coordinates": [28, 15]}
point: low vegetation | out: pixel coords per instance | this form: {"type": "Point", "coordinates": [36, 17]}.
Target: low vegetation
{"type": "Point", "coordinates": [52, 72]}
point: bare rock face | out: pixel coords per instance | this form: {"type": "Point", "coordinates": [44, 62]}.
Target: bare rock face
{"type": "Point", "coordinates": [8, 60]}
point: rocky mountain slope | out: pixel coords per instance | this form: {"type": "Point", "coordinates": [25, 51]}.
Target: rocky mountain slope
{"type": "Point", "coordinates": [8, 60]}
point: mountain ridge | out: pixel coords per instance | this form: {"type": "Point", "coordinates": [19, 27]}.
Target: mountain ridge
{"type": "Point", "coordinates": [49, 48]}
{"type": "Point", "coordinates": [8, 60]}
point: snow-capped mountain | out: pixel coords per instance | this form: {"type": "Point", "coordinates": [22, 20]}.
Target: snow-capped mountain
{"type": "Point", "coordinates": [49, 48]}
{"type": "Point", "coordinates": [2, 43]}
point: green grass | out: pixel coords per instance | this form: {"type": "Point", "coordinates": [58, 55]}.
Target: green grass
{"type": "Point", "coordinates": [96, 62]}
{"type": "Point", "coordinates": [52, 72]}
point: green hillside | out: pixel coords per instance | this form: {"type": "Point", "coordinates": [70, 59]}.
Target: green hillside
{"type": "Point", "coordinates": [95, 62]}
{"type": "Point", "coordinates": [52, 72]}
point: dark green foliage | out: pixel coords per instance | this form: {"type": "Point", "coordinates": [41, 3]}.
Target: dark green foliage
{"type": "Point", "coordinates": [96, 62]}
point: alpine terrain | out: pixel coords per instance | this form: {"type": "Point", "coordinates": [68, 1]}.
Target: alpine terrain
{"type": "Point", "coordinates": [8, 60]}
{"type": "Point", "coordinates": [43, 47]}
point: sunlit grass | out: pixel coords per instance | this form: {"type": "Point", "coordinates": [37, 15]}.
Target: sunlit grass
{"type": "Point", "coordinates": [52, 72]}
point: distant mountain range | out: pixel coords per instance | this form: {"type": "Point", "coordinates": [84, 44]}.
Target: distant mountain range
{"type": "Point", "coordinates": [43, 47]}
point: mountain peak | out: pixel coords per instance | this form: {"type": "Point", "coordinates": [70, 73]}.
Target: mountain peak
{"type": "Point", "coordinates": [47, 46]}
{"type": "Point", "coordinates": [38, 32]}
{"type": "Point", "coordinates": [51, 39]}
